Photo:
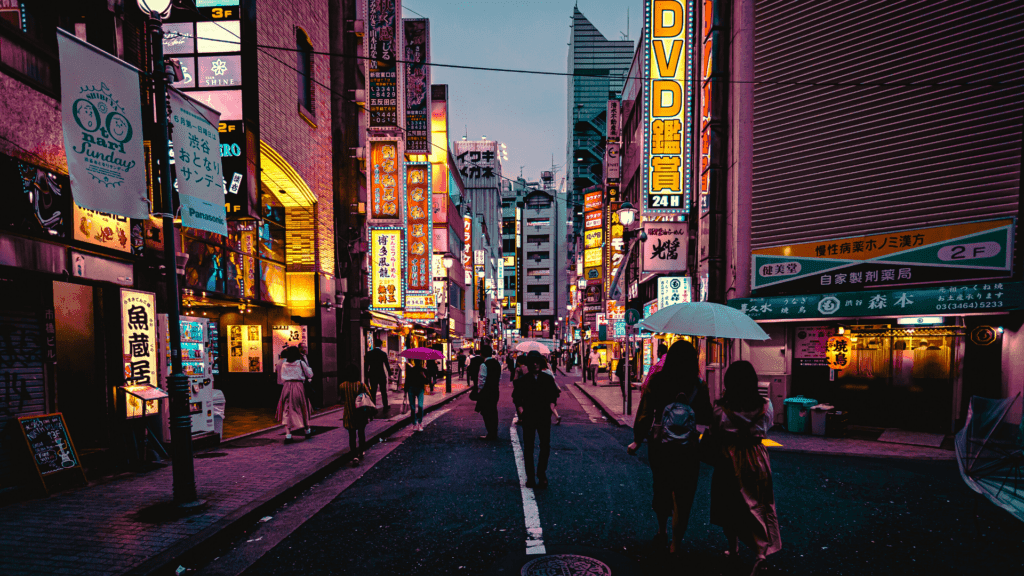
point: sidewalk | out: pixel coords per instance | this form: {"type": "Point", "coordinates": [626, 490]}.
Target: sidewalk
{"type": "Point", "coordinates": [125, 526]}
{"type": "Point", "coordinates": [609, 400]}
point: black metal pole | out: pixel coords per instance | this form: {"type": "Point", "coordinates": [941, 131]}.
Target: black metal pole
{"type": "Point", "coordinates": [448, 329]}
{"type": "Point", "coordinates": [629, 349]}
{"type": "Point", "coordinates": [183, 467]}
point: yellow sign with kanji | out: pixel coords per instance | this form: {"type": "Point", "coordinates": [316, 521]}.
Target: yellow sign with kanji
{"type": "Point", "coordinates": [386, 268]}
{"type": "Point", "coordinates": [838, 351]}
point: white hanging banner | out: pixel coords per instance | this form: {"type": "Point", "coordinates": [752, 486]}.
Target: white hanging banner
{"type": "Point", "coordinates": [102, 120]}
{"type": "Point", "coordinates": [197, 167]}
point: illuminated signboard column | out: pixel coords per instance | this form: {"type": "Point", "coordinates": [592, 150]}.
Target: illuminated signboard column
{"type": "Point", "coordinates": [419, 229]}
{"type": "Point", "coordinates": [207, 44]}
{"type": "Point", "coordinates": [387, 286]}
{"type": "Point", "coordinates": [668, 104]}
{"type": "Point", "coordinates": [714, 65]}
{"type": "Point", "coordinates": [417, 86]}
{"type": "Point", "coordinates": [382, 45]}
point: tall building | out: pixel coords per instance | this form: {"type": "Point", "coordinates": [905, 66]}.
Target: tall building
{"type": "Point", "coordinates": [598, 67]}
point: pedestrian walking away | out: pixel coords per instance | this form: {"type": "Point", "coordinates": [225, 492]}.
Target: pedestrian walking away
{"type": "Point", "coordinates": [487, 391]}
{"type": "Point", "coordinates": [473, 369]}
{"type": "Point", "coordinates": [415, 379]}
{"type": "Point", "coordinates": [353, 419]}
{"type": "Point", "coordinates": [742, 497]}
{"type": "Point", "coordinates": [544, 368]}
{"type": "Point", "coordinates": [432, 373]}
{"type": "Point", "coordinates": [670, 408]}
{"type": "Point", "coordinates": [378, 371]}
{"type": "Point", "coordinates": [535, 395]}
{"type": "Point", "coordinates": [293, 407]}
{"type": "Point", "coordinates": [593, 365]}
{"type": "Point", "coordinates": [462, 363]}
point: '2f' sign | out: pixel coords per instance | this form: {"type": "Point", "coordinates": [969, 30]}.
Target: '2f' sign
{"type": "Point", "coordinates": [975, 251]}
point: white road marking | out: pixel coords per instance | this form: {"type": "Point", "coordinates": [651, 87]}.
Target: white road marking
{"type": "Point", "coordinates": [535, 538]}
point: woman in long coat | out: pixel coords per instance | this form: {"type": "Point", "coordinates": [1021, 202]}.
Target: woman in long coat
{"type": "Point", "coordinates": [742, 497]}
{"type": "Point", "coordinates": [293, 408]}
{"type": "Point", "coordinates": [675, 469]}
{"type": "Point", "coordinates": [353, 420]}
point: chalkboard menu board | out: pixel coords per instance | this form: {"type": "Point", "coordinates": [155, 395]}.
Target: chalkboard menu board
{"type": "Point", "coordinates": [50, 443]}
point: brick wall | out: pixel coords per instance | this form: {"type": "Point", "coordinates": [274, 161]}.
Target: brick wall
{"type": "Point", "coordinates": [305, 146]}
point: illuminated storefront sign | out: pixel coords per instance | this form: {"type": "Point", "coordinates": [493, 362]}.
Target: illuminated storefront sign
{"type": "Point", "coordinates": [593, 238]}
{"type": "Point", "coordinates": [139, 347]}
{"type": "Point", "coordinates": [420, 301]}
{"type": "Point", "coordinates": [668, 99]}
{"type": "Point", "coordinates": [592, 257]}
{"type": "Point", "coordinates": [386, 284]}
{"type": "Point", "coordinates": [593, 201]}
{"type": "Point", "coordinates": [419, 226]}
{"type": "Point", "coordinates": [666, 246]}
{"type": "Point", "coordinates": [384, 184]}
{"type": "Point", "coordinates": [245, 348]}
{"type": "Point", "coordinates": [417, 85]}
{"type": "Point", "coordinates": [102, 229]}
{"type": "Point", "coordinates": [384, 96]}
{"type": "Point", "coordinates": [467, 249]}
{"type": "Point", "coordinates": [673, 290]}
{"type": "Point", "coordinates": [592, 220]}
{"type": "Point", "coordinates": [501, 279]}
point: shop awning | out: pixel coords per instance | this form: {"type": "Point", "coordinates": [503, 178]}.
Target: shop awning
{"type": "Point", "coordinates": [946, 300]}
{"type": "Point", "coordinates": [384, 320]}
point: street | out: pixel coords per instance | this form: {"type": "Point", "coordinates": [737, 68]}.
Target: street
{"type": "Point", "coordinates": [443, 501]}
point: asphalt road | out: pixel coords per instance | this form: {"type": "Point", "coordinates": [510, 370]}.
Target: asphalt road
{"type": "Point", "coordinates": [443, 501]}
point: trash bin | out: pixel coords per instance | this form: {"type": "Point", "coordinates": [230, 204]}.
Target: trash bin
{"type": "Point", "coordinates": [835, 422]}
{"type": "Point", "coordinates": [798, 418]}
{"type": "Point", "coordinates": [218, 413]}
{"type": "Point", "coordinates": [819, 417]}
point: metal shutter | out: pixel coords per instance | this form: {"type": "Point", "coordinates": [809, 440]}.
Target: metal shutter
{"type": "Point", "coordinates": [838, 161]}
{"type": "Point", "coordinates": [21, 378]}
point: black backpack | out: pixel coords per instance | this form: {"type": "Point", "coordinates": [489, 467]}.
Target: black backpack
{"type": "Point", "coordinates": [678, 424]}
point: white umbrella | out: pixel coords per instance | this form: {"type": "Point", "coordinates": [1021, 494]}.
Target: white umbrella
{"type": "Point", "coordinates": [704, 319]}
{"type": "Point", "coordinates": [530, 346]}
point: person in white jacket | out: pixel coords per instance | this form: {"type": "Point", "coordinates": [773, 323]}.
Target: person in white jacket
{"type": "Point", "coordinates": [293, 408]}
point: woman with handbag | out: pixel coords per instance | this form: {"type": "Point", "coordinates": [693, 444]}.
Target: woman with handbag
{"type": "Point", "coordinates": [353, 417]}
{"type": "Point", "coordinates": [675, 467]}
{"type": "Point", "coordinates": [415, 380]}
{"type": "Point", "coordinates": [293, 407]}
{"type": "Point", "coordinates": [742, 498]}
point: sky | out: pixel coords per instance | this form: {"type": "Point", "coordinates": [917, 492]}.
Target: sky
{"type": "Point", "coordinates": [527, 112]}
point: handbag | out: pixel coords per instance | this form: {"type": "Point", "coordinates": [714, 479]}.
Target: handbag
{"type": "Point", "coordinates": [474, 393]}
{"type": "Point", "coordinates": [364, 403]}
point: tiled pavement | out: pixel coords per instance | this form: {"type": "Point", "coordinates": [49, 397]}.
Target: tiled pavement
{"type": "Point", "coordinates": [119, 527]}
{"type": "Point", "coordinates": [609, 399]}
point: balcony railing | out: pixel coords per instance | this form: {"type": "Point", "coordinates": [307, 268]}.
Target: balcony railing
{"type": "Point", "coordinates": [28, 61]}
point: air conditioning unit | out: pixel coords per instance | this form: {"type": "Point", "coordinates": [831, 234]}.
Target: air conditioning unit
{"type": "Point", "coordinates": [359, 27]}
{"type": "Point", "coordinates": [360, 96]}
{"type": "Point", "coordinates": [360, 153]}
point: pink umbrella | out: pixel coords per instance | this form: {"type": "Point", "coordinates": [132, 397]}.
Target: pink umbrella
{"type": "Point", "coordinates": [422, 354]}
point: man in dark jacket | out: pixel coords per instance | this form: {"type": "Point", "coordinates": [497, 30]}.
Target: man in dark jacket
{"type": "Point", "coordinates": [462, 363]}
{"type": "Point", "coordinates": [378, 370]}
{"type": "Point", "coordinates": [473, 370]}
{"type": "Point", "coordinates": [489, 376]}
{"type": "Point", "coordinates": [535, 395]}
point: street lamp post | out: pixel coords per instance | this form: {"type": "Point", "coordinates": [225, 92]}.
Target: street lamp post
{"type": "Point", "coordinates": [182, 464]}
{"type": "Point", "coordinates": [627, 214]}
{"type": "Point", "coordinates": [449, 261]}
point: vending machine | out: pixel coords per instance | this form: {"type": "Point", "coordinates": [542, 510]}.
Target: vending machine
{"type": "Point", "coordinates": [198, 354]}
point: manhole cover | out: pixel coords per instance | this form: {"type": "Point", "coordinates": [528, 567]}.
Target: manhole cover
{"type": "Point", "coordinates": [566, 565]}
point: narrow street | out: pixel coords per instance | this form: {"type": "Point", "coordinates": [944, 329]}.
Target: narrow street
{"type": "Point", "coordinates": [444, 501]}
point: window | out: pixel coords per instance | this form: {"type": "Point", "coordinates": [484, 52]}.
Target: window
{"type": "Point", "coordinates": [538, 222]}
{"type": "Point", "coordinates": [508, 245]}
{"type": "Point", "coordinates": [537, 305]}
{"type": "Point", "coordinates": [536, 238]}
{"type": "Point", "coordinates": [538, 289]}
{"type": "Point", "coordinates": [304, 68]}
{"type": "Point", "coordinates": [538, 256]}
{"type": "Point", "coordinates": [539, 272]}
{"type": "Point", "coordinates": [538, 202]}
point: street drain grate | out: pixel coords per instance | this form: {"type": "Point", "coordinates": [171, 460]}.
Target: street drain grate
{"type": "Point", "coordinates": [566, 565]}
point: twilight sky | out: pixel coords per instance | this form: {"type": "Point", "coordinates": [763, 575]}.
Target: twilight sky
{"type": "Point", "coordinates": [525, 111]}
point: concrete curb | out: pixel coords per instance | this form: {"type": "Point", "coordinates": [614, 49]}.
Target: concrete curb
{"type": "Point", "coordinates": [197, 546]}
{"type": "Point", "coordinates": [612, 417]}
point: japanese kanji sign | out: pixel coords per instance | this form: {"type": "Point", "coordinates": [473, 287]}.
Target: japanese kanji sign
{"type": "Point", "coordinates": [386, 268]}
{"type": "Point", "coordinates": [382, 47]}
{"type": "Point", "coordinates": [478, 163]}
{"type": "Point", "coordinates": [417, 85]}
{"type": "Point", "coordinates": [942, 253]}
{"type": "Point", "coordinates": [980, 297]}
{"type": "Point", "coordinates": [138, 345]}
{"type": "Point", "coordinates": [838, 352]}
{"type": "Point", "coordinates": [592, 220]}
{"type": "Point", "coordinates": [593, 200]}
{"type": "Point", "coordinates": [384, 184]}
{"type": "Point", "coordinates": [666, 246]}
{"type": "Point", "coordinates": [419, 227]}
{"type": "Point", "coordinates": [673, 290]}
{"type": "Point", "coordinates": [102, 121]}
{"type": "Point", "coordinates": [668, 103]}
{"type": "Point", "coordinates": [197, 164]}
{"type": "Point", "coordinates": [289, 335]}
